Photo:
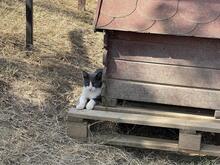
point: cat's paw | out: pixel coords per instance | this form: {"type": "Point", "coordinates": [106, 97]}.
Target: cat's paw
{"type": "Point", "coordinates": [80, 106]}
{"type": "Point", "coordinates": [90, 105]}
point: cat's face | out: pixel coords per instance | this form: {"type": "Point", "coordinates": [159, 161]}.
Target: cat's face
{"type": "Point", "coordinates": [92, 81]}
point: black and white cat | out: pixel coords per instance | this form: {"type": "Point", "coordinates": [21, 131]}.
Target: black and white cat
{"type": "Point", "coordinates": [92, 87]}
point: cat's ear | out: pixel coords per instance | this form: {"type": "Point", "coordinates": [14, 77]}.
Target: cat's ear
{"type": "Point", "coordinates": [85, 74]}
{"type": "Point", "coordinates": [99, 76]}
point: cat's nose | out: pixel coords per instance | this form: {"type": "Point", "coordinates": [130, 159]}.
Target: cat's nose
{"type": "Point", "coordinates": [91, 89]}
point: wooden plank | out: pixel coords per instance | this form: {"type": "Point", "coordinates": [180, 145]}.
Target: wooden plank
{"type": "Point", "coordinates": [160, 144]}
{"type": "Point", "coordinates": [164, 94]}
{"type": "Point", "coordinates": [190, 141]}
{"type": "Point", "coordinates": [197, 54]}
{"type": "Point", "coordinates": [155, 112]}
{"type": "Point", "coordinates": [165, 39]}
{"type": "Point", "coordinates": [149, 120]}
{"type": "Point", "coordinates": [187, 131]}
{"type": "Point", "coordinates": [211, 150]}
{"type": "Point", "coordinates": [104, 60]}
{"type": "Point", "coordinates": [164, 74]}
{"type": "Point", "coordinates": [144, 142]}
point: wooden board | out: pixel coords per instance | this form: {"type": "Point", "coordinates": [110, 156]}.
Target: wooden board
{"type": "Point", "coordinates": [164, 39]}
{"type": "Point", "coordinates": [149, 120]}
{"type": "Point", "coordinates": [164, 94]}
{"type": "Point", "coordinates": [168, 50]}
{"type": "Point", "coordinates": [164, 74]}
{"type": "Point", "coordinates": [210, 150]}
{"type": "Point", "coordinates": [158, 111]}
{"type": "Point", "coordinates": [144, 142]}
{"type": "Point", "coordinates": [161, 144]}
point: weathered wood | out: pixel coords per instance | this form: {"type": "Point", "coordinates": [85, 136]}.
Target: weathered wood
{"type": "Point", "coordinates": [165, 94]}
{"type": "Point", "coordinates": [157, 111]}
{"type": "Point", "coordinates": [144, 142]}
{"type": "Point", "coordinates": [189, 141]}
{"type": "Point", "coordinates": [187, 131]}
{"type": "Point", "coordinates": [106, 40]}
{"type": "Point", "coordinates": [29, 24]}
{"type": "Point", "coordinates": [169, 50]}
{"type": "Point", "coordinates": [82, 5]}
{"type": "Point", "coordinates": [161, 144]}
{"type": "Point", "coordinates": [74, 119]}
{"type": "Point", "coordinates": [165, 39]}
{"type": "Point", "coordinates": [211, 150]}
{"type": "Point", "coordinates": [217, 114]}
{"type": "Point", "coordinates": [104, 60]}
{"type": "Point", "coordinates": [104, 74]}
{"type": "Point", "coordinates": [77, 129]}
{"type": "Point", "coordinates": [164, 74]}
{"type": "Point", "coordinates": [149, 120]}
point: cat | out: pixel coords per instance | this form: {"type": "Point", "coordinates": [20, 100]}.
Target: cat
{"type": "Point", "coordinates": [92, 87]}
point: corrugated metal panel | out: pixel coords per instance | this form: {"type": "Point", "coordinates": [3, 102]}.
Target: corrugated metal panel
{"type": "Point", "coordinates": [200, 18]}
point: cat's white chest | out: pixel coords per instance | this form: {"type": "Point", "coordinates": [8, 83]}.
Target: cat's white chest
{"type": "Point", "coordinates": [91, 94]}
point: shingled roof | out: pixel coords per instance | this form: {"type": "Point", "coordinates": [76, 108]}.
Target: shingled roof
{"type": "Point", "coordinates": [199, 18]}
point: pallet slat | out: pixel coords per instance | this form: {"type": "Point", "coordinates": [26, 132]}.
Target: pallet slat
{"type": "Point", "coordinates": [160, 144]}
{"type": "Point", "coordinates": [210, 150]}
{"type": "Point", "coordinates": [144, 142]}
{"type": "Point", "coordinates": [150, 120]}
{"type": "Point", "coordinates": [158, 111]}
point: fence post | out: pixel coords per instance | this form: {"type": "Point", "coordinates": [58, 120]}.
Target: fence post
{"type": "Point", "coordinates": [29, 25]}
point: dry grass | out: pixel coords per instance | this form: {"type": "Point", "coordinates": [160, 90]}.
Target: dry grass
{"type": "Point", "coordinates": [37, 88]}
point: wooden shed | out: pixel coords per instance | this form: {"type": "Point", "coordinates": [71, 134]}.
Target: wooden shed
{"type": "Point", "coordinates": [161, 51]}
{"type": "Point", "coordinates": [165, 55]}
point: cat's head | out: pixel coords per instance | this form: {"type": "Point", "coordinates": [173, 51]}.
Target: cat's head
{"type": "Point", "coordinates": [92, 81]}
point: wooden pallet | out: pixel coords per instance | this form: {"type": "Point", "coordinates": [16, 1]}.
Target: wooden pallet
{"type": "Point", "coordinates": [189, 126]}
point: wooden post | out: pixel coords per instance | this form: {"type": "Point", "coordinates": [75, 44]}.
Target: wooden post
{"type": "Point", "coordinates": [82, 5]}
{"type": "Point", "coordinates": [77, 128]}
{"type": "Point", "coordinates": [189, 140]}
{"type": "Point", "coordinates": [29, 24]}
{"type": "Point", "coordinates": [217, 114]}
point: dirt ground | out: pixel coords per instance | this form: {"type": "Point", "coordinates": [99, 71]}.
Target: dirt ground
{"type": "Point", "coordinates": [36, 89]}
